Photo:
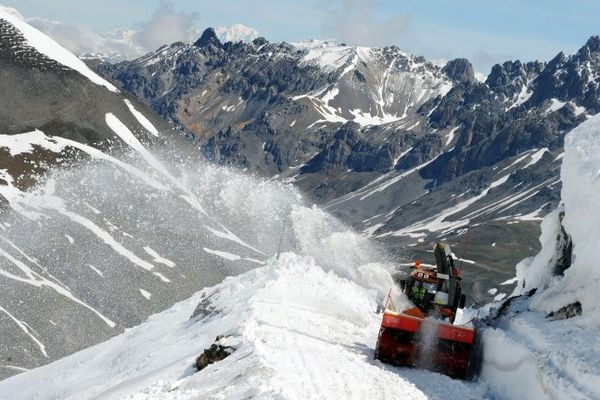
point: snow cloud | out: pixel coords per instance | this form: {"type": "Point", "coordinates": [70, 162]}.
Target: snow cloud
{"type": "Point", "coordinates": [167, 26]}
{"type": "Point", "coordinates": [356, 22]}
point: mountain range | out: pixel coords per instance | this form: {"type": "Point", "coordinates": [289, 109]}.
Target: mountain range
{"type": "Point", "coordinates": [111, 212]}
{"type": "Point", "coordinates": [404, 149]}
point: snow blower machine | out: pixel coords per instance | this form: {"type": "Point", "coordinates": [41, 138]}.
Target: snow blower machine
{"type": "Point", "coordinates": [424, 336]}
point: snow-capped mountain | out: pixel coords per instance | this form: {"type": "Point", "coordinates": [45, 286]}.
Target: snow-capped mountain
{"type": "Point", "coordinates": [236, 33]}
{"type": "Point", "coordinates": [322, 82]}
{"type": "Point", "coordinates": [305, 327]}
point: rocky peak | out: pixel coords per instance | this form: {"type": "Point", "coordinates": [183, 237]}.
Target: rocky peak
{"type": "Point", "coordinates": [510, 78]}
{"type": "Point", "coordinates": [459, 70]}
{"type": "Point", "coordinates": [208, 38]}
{"type": "Point", "coordinates": [590, 50]}
{"type": "Point", "coordinates": [503, 74]}
{"type": "Point", "coordinates": [557, 61]}
{"type": "Point", "coordinates": [259, 41]}
{"type": "Point", "coordinates": [593, 44]}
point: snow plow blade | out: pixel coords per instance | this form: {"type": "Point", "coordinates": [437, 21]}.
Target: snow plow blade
{"type": "Point", "coordinates": [406, 339]}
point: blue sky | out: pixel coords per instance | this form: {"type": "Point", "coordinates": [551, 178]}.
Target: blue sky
{"type": "Point", "coordinates": [484, 31]}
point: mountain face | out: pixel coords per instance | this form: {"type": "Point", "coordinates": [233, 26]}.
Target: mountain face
{"type": "Point", "coordinates": [105, 216]}
{"type": "Point", "coordinates": [48, 89]}
{"type": "Point", "coordinates": [405, 150]}
{"type": "Point", "coordinates": [236, 98]}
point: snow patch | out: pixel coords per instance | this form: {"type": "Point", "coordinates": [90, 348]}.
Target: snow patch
{"type": "Point", "coordinates": [157, 258]}
{"type": "Point", "coordinates": [556, 104]}
{"type": "Point", "coordinates": [96, 270]}
{"type": "Point", "coordinates": [145, 122]}
{"type": "Point", "coordinates": [451, 135]}
{"type": "Point", "coordinates": [535, 157]}
{"type": "Point", "coordinates": [27, 330]}
{"type": "Point", "coordinates": [23, 143]}
{"type": "Point", "coordinates": [223, 254]}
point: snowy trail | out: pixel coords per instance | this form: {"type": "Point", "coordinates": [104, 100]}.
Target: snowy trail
{"type": "Point", "coordinates": [541, 362]}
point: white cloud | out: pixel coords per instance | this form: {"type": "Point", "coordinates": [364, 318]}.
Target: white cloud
{"type": "Point", "coordinates": [167, 26]}
{"type": "Point", "coordinates": [113, 45]}
{"type": "Point", "coordinates": [355, 22]}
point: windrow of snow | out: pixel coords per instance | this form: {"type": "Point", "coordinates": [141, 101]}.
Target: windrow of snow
{"type": "Point", "coordinates": [299, 333]}
{"type": "Point", "coordinates": [48, 47]}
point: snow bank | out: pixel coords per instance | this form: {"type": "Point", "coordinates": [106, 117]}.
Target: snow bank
{"type": "Point", "coordinates": [530, 354]}
{"type": "Point", "coordinates": [580, 193]}
{"type": "Point", "coordinates": [300, 332]}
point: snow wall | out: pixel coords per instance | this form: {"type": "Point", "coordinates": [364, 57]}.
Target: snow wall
{"type": "Point", "coordinates": [537, 349]}
{"type": "Point", "coordinates": [580, 175]}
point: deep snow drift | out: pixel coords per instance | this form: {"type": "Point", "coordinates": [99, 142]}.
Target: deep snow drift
{"type": "Point", "coordinates": [530, 354]}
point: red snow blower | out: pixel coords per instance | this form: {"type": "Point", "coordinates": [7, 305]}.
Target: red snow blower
{"type": "Point", "coordinates": [425, 336]}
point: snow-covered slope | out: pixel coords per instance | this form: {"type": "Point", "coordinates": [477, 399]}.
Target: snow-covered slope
{"type": "Point", "coordinates": [545, 344]}
{"type": "Point", "coordinates": [374, 86]}
{"type": "Point", "coordinates": [300, 333]}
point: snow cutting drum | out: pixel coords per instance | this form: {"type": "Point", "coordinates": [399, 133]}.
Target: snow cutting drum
{"type": "Point", "coordinates": [407, 340]}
